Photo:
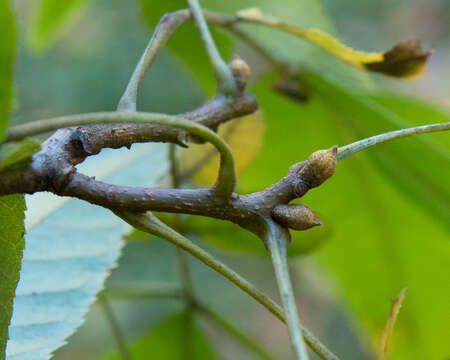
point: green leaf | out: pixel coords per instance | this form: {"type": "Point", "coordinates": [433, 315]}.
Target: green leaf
{"type": "Point", "coordinates": [8, 31]}
{"type": "Point", "coordinates": [381, 240]}
{"type": "Point", "coordinates": [174, 338]}
{"type": "Point", "coordinates": [16, 153]}
{"type": "Point", "coordinates": [71, 248]}
{"type": "Point", "coordinates": [382, 245]}
{"type": "Point", "coordinates": [12, 208]}
{"type": "Point", "coordinates": [51, 19]}
{"type": "Point", "coordinates": [418, 166]}
{"type": "Point", "coordinates": [185, 43]}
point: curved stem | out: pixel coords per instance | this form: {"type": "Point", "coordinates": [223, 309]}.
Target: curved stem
{"type": "Point", "coordinates": [165, 28]}
{"type": "Point", "coordinates": [149, 223]}
{"type": "Point", "coordinates": [363, 144]}
{"type": "Point", "coordinates": [226, 179]}
{"type": "Point", "coordinates": [223, 74]}
{"type": "Point", "coordinates": [277, 239]}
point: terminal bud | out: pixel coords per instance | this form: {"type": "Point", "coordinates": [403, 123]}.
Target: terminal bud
{"type": "Point", "coordinates": [322, 165]}
{"type": "Point", "coordinates": [241, 72]}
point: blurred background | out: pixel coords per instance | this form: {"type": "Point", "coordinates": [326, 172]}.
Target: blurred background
{"type": "Point", "coordinates": [375, 240]}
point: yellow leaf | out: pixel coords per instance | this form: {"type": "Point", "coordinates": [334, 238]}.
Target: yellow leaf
{"type": "Point", "coordinates": [244, 135]}
{"type": "Point", "coordinates": [406, 59]}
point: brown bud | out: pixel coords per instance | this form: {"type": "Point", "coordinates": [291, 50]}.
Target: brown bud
{"type": "Point", "coordinates": [322, 164]}
{"type": "Point", "coordinates": [241, 72]}
{"type": "Point", "coordinates": [295, 216]}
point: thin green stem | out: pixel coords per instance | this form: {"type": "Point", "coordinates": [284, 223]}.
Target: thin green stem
{"type": "Point", "coordinates": [363, 144]}
{"type": "Point", "coordinates": [149, 223]}
{"type": "Point", "coordinates": [144, 290]}
{"type": "Point", "coordinates": [223, 74]}
{"type": "Point", "coordinates": [113, 324]}
{"type": "Point", "coordinates": [226, 179]}
{"type": "Point", "coordinates": [237, 334]}
{"type": "Point", "coordinates": [277, 239]}
{"type": "Point", "coordinates": [163, 31]}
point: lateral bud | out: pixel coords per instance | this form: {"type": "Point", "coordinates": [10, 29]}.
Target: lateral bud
{"type": "Point", "coordinates": [295, 216]}
{"type": "Point", "coordinates": [241, 72]}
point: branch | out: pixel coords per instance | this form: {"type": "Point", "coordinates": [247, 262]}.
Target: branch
{"type": "Point", "coordinates": [363, 144]}
{"type": "Point", "coordinates": [226, 179]}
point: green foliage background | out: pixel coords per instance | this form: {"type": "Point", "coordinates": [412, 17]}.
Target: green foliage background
{"type": "Point", "coordinates": [386, 211]}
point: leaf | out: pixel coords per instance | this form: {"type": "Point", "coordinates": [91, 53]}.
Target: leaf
{"type": "Point", "coordinates": [51, 19]}
{"type": "Point", "coordinates": [8, 31]}
{"type": "Point", "coordinates": [406, 59]}
{"type": "Point", "coordinates": [201, 162]}
{"type": "Point", "coordinates": [185, 43]}
{"type": "Point", "coordinates": [16, 153]}
{"type": "Point", "coordinates": [410, 164]}
{"type": "Point", "coordinates": [12, 208]}
{"type": "Point", "coordinates": [381, 240]}
{"type": "Point", "coordinates": [71, 248]}
{"type": "Point", "coordinates": [174, 338]}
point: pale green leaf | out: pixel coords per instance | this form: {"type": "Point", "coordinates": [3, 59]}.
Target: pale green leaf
{"type": "Point", "coordinates": [71, 248]}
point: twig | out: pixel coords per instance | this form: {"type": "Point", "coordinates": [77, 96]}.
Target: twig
{"type": "Point", "coordinates": [363, 144]}
{"type": "Point", "coordinates": [149, 223]}
{"type": "Point", "coordinates": [226, 179]}
{"type": "Point", "coordinates": [237, 334]}
{"type": "Point", "coordinates": [277, 238]}
{"type": "Point", "coordinates": [113, 324]}
{"type": "Point", "coordinates": [224, 77]}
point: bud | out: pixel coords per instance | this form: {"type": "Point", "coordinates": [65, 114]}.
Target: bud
{"type": "Point", "coordinates": [295, 216]}
{"type": "Point", "coordinates": [241, 72]}
{"type": "Point", "coordinates": [322, 164]}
